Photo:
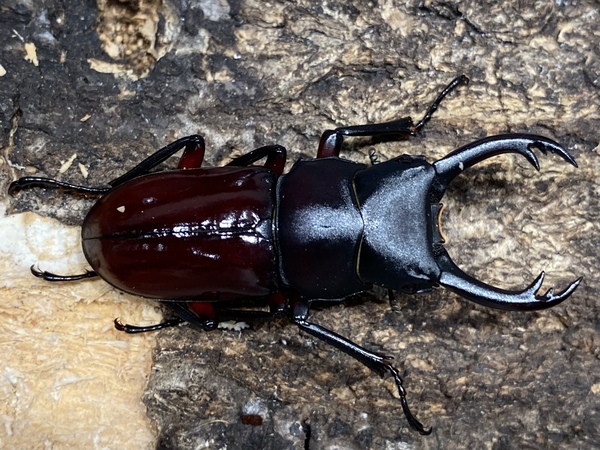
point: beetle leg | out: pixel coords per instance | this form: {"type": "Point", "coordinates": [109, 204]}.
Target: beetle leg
{"type": "Point", "coordinates": [199, 314]}
{"type": "Point", "coordinates": [331, 140]}
{"type": "Point", "coordinates": [203, 318]}
{"type": "Point", "coordinates": [275, 154]}
{"type": "Point", "coordinates": [193, 154]}
{"type": "Point", "coordinates": [134, 329]}
{"type": "Point", "coordinates": [27, 182]}
{"type": "Point", "coordinates": [277, 308]}
{"type": "Point", "coordinates": [375, 361]}
{"type": "Point", "coordinates": [208, 315]}
{"type": "Point", "coordinates": [49, 276]}
{"type": "Point", "coordinates": [458, 81]}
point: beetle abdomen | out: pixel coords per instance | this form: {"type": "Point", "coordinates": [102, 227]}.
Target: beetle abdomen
{"type": "Point", "coordinates": [186, 234]}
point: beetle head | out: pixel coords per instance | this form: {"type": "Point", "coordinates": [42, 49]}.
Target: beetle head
{"type": "Point", "coordinates": [405, 192]}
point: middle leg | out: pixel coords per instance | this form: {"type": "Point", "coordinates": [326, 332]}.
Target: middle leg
{"type": "Point", "coordinates": [275, 154]}
{"type": "Point", "coordinates": [208, 315]}
{"type": "Point", "coordinates": [331, 140]}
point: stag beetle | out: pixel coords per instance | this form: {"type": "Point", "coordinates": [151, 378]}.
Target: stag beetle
{"type": "Point", "coordinates": [206, 242]}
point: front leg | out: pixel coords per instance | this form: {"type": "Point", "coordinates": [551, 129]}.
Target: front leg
{"type": "Point", "coordinates": [331, 140]}
{"type": "Point", "coordinates": [374, 361]}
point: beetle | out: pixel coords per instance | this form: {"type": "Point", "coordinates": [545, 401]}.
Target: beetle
{"type": "Point", "coordinates": [208, 242]}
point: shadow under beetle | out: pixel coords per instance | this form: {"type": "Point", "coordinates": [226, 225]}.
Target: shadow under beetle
{"type": "Point", "coordinates": [207, 242]}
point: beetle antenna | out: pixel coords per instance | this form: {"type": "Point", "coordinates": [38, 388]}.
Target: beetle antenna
{"type": "Point", "coordinates": [373, 157]}
{"type": "Point", "coordinates": [393, 302]}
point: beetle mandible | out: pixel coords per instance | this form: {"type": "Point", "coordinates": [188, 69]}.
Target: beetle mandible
{"type": "Point", "coordinates": [205, 241]}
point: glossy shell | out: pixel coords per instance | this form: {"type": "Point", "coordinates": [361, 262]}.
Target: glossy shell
{"type": "Point", "coordinates": [186, 234]}
{"type": "Point", "coordinates": [320, 228]}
